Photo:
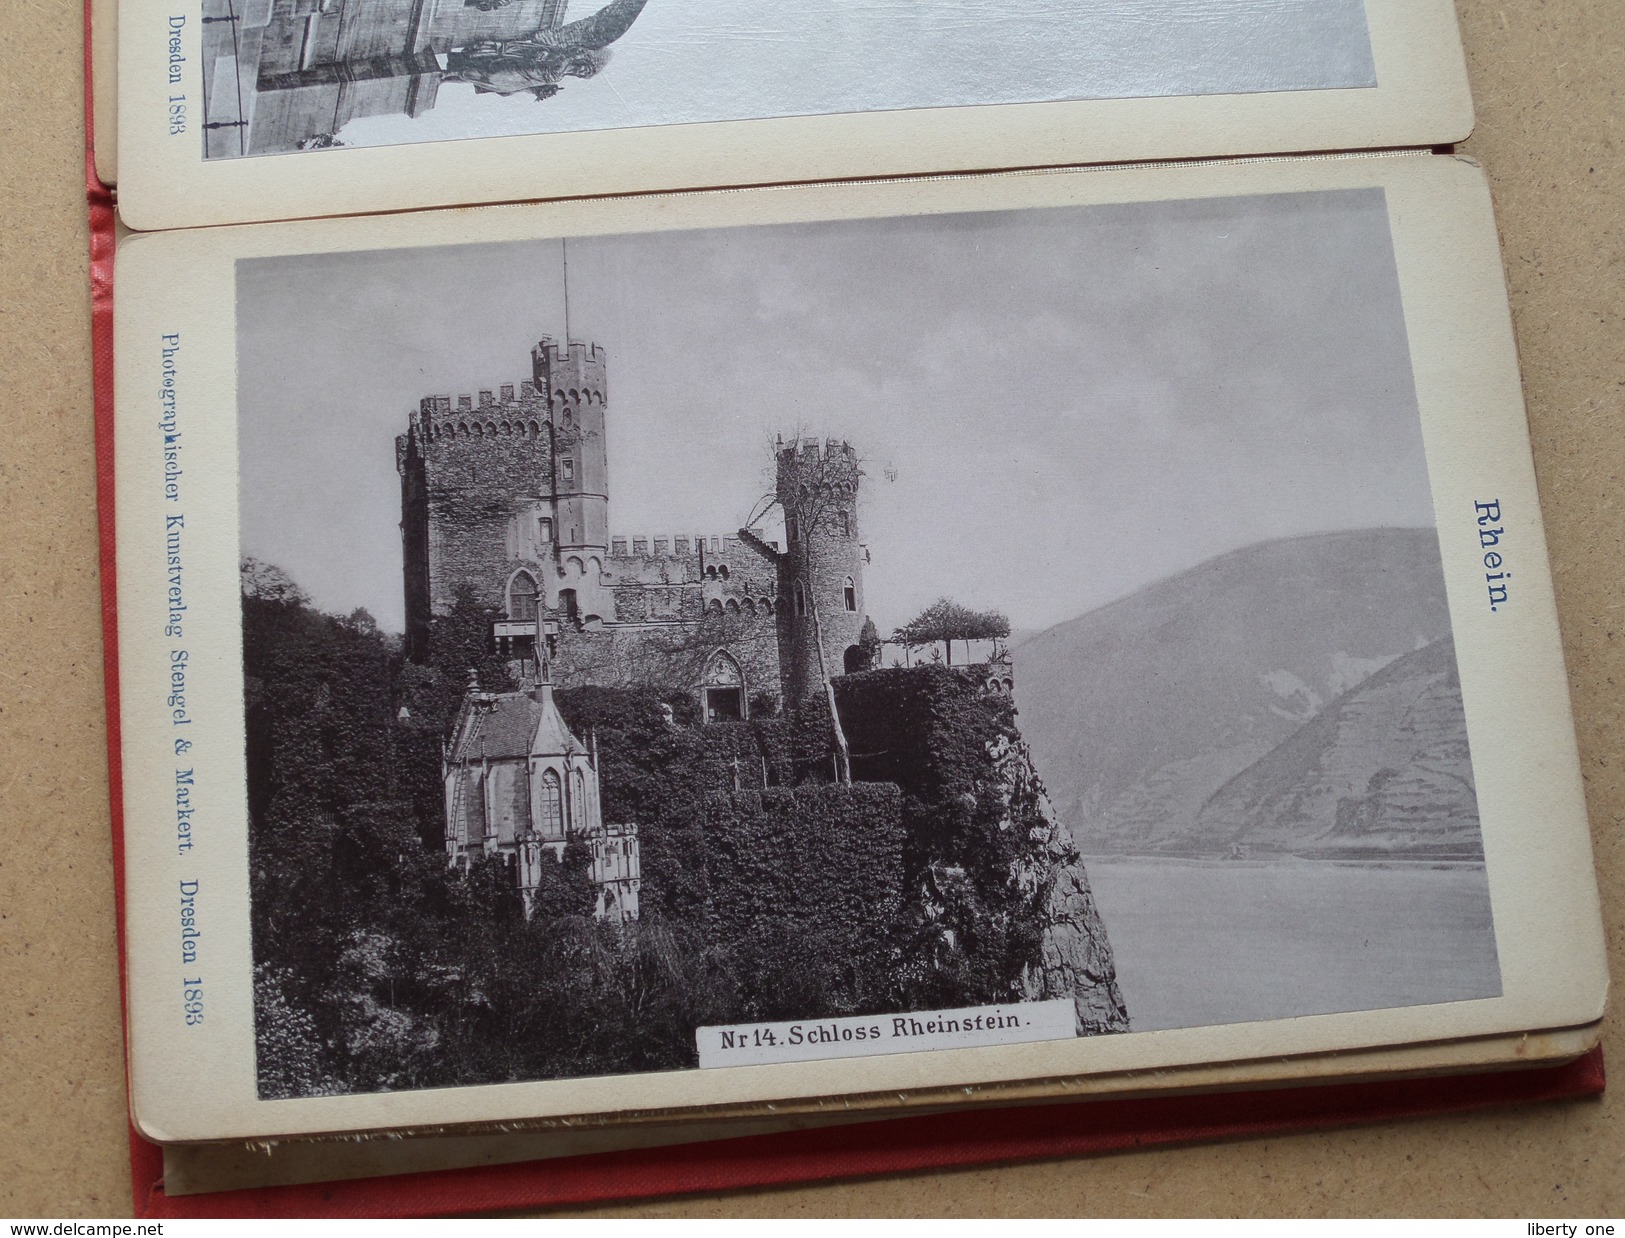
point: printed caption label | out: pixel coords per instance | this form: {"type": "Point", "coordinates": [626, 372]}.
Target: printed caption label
{"type": "Point", "coordinates": [808, 1040]}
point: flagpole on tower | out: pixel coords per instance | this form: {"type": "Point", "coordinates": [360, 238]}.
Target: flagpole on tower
{"type": "Point", "coordinates": [564, 250]}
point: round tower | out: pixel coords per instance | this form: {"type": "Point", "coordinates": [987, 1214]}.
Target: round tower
{"type": "Point", "coordinates": [821, 604]}
{"type": "Point", "coordinates": [572, 379]}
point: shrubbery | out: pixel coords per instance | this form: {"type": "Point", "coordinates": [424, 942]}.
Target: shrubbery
{"type": "Point", "coordinates": [767, 894]}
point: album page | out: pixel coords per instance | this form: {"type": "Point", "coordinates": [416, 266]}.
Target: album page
{"type": "Point", "coordinates": [652, 657]}
{"type": "Point", "coordinates": [239, 110]}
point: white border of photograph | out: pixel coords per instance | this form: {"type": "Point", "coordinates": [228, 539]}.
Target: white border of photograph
{"type": "Point", "coordinates": [1421, 99]}
{"type": "Point", "coordinates": [199, 1083]}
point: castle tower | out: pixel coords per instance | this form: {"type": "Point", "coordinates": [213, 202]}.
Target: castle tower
{"type": "Point", "coordinates": [572, 379]}
{"type": "Point", "coordinates": [476, 503]}
{"type": "Point", "coordinates": [821, 570]}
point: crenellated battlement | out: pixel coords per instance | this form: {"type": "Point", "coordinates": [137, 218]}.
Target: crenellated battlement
{"type": "Point", "coordinates": [678, 545]}
{"type": "Point", "coordinates": [810, 451]}
{"type": "Point", "coordinates": [571, 376]}
{"type": "Point", "coordinates": [511, 410]}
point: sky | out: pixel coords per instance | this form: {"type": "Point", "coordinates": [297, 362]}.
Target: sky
{"type": "Point", "coordinates": [686, 61]}
{"type": "Point", "coordinates": [1053, 408]}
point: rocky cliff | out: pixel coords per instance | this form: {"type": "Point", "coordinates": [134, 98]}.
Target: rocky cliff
{"type": "Point", "coordinates": [1003, 901]}
{"type": "Point", "coordinates": [1075, 957]}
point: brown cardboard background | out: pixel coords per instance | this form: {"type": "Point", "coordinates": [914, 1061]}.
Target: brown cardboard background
{"type": "Point", "coordinates": [1547, 79]}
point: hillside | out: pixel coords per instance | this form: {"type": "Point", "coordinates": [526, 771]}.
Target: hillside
{"type": "Point", "coordinates": [1384, 770]}
{"type": "Point", "coordinates": [1139, 713]}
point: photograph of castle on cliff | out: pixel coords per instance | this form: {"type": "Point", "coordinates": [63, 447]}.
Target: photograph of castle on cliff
{"type": "Point", "coordinates": [300, 75]}
{"type": "Point", "coordinates": [1033, 616]}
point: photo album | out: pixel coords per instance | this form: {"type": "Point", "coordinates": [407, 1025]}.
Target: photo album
{"type": "Point", "coordinates": [834, 582]}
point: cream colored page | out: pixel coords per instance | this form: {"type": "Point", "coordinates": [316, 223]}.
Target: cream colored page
{"type": "Point", "coordinates": [198, 1082]}
{"type": "Point", "coordinates": [192, 81]}
{"type": "Point", "coordinates": [104, 86]}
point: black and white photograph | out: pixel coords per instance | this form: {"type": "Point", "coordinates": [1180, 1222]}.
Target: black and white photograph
{"type": "Point", "coordinates": [1023, 624]}
{"type": "Point", "coordinates": [282, 76]}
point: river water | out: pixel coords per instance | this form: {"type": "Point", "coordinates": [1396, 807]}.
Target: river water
{"type": "Point", "coordinates": [1204, 943]}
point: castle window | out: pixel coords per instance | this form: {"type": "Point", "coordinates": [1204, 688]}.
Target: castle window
{"type": "Point", "coordinates": [578, 806]}
{"type": "Point", "coordinates": [800, 600]}
{"type": "Point", "coordinates": [569, 468]}
{"type": "Point", "coordinates": [790, 529]}
{"type": "Point", "coordinates": [845, 521]}
{"type": "Point", "coordinates": [711, 573]}
{"type": "Point", "coordinates": [679, 545]}
{"type": "Point", "coordinates": [723, 571]}
{"type": "Point", "coordinates": [723, 691]}
{"type": "Point", "coordinates": [544, 529]}
{"type": "Point", "coordinates": [568, 604]}
{"type": "Point", "coordinates": [850, 595]}
{"type": "Point", "coordinates": [569, 418]}
{"type": "Point", "coordinates": [550, 806]}
{"type": "Point", "coordinates": [522, 598]}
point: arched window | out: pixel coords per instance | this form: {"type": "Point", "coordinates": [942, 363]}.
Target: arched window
{"type": "Point", "coordinates": [850, 595]}
{"type": "Point", "coordinates": [522, 598]}
{"type": "Point", "coordinates": [800, 600]}
{"type": "Point", "coordinates": [723, 692]}
{"type": "Point", "coordinates": [732, 607]}
{"type": "Point", "coordinates": [568, 604]}
{"type": "Point", "coordinates": [723, 571]}
{"type": "Point", "coordinates": [844, 519]}
{"type": "Point", "coordinates": [578, 801]}
{"type": "Point", "coordinates": [550, 806]}
{"type": "Point", "coordinates": [790, 529]}
{"type": "Point", "coordinates": [714, 606]}
{"type": "Point", "coordinates": [748, 606]}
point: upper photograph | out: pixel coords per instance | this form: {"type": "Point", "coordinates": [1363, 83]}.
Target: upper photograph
{"type": "Point", "coordinates": [411, 103]}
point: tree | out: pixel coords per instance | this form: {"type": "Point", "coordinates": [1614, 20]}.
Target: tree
{"type": "Point", "coordinates": [869, 645]}
{"type": "Point", "coordinates": [947, 621]}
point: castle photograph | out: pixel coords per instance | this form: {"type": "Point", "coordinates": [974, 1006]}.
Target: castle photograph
{"type": "Point", "coordinates": [651, 633]}
{"type": "Point", "coordinates": [284, 76]}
